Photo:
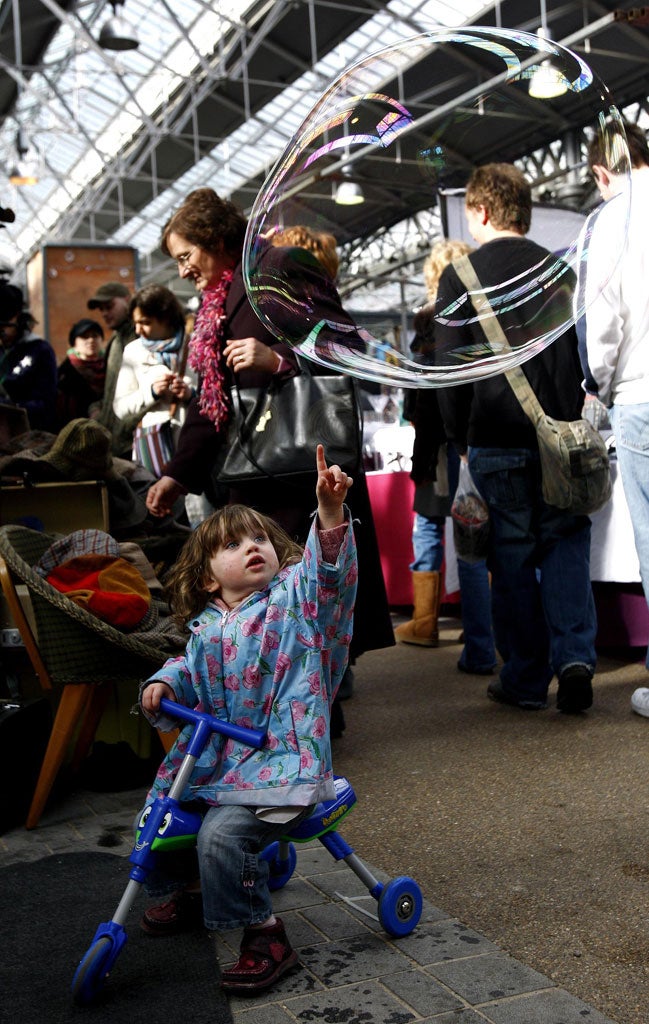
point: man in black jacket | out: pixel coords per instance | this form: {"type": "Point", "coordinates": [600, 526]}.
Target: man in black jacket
{"type": "Point", "coordinates": [543, 608]}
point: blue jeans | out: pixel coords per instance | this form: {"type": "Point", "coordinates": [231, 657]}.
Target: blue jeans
{"type": "Point", "coordinates": [427, 543]}
{"type": "Point", "coordinates": [542, 600]}
{"type": "Point", "coordinates": [631, 427]}
{"type": "Point", "coordinates": [479, 651]}
{"type": "Point", "coordinates": [234, 879]}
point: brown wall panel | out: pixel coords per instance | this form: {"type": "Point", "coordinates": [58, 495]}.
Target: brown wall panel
{"type": "Point", "coordinates": [61, 279]}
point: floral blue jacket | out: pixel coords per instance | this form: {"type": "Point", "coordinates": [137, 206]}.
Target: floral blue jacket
{"type": "Point", "coordinates": [274, 663]}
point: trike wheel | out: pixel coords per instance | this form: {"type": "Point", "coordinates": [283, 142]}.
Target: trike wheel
{"type": "Point", "coordinates": [92, 972]}
{"type": "Point", "coordinates": [281, 868]}
{"type": "Point", "coordinates": [400, 906]}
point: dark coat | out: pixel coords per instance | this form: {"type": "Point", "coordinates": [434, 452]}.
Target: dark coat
{"type": "Point", "coordinates": [28, 376]}
{"type": "Point", "coordinates": [487, 413]}
{"type": "Point", "coordinates": [421, 407]}
{"type": "Point", "coordinates": [75, 395]}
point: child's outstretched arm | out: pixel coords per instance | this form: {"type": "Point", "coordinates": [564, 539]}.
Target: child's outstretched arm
{"type": "Point", "coordinates": [331, 491]}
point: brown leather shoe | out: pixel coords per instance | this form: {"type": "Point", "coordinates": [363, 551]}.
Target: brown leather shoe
{"type": "Point", "coordinates": [182, 913]}
{"type": "Point", "coordinates": [264, 956]}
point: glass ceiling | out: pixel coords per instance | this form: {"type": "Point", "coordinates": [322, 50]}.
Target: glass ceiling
{"type": "Point", "coordinates": [83, 106]}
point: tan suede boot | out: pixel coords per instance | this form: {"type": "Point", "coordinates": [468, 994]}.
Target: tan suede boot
{"type": "Point", "coordinates": [422, 628]}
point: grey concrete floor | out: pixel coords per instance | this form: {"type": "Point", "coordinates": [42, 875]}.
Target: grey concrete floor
{"type": "Point", "coordinates": [525, 830]}
{"type": "Point", "coordinates": [530, 827]}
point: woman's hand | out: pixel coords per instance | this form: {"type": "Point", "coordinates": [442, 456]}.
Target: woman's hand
{"type": "Point", "coordinates": [162, 496]}
{"type": "Point", "coordinates": [161, 388]}
{"type": "Point", "coordinates": [250, 354]}
{"type": "Point", "coordinates": [331, 491]}
{"type": "Point", "coordinates": [153, 694]}
{"type": "Point", "coordinates": [180, 389]}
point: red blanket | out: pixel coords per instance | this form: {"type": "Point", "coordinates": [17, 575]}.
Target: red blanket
{"type": "Point", "coordinates": [109, 587]}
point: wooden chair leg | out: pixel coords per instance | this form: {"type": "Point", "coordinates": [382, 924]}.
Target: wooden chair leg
{"type": "Point", "coordinates": [71, 707]}
{"type": "Point", "coordinates": [168, 739]}
{"type": "Point", "coordinates": [97, 701]}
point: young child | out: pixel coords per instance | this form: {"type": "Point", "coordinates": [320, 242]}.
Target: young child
{"type": "Point", "coordinates": [270, 629]}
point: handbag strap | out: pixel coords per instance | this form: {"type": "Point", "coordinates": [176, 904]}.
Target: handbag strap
{"type": "Point", "coordinates": [182, 358]}
{"type": "Point", "coordinates": [496, 337]}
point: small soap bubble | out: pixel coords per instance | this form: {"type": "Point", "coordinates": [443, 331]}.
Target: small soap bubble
{"type": "Point", "coordinates": [397, 135]}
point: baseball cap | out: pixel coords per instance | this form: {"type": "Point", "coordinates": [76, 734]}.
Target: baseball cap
{"type": "Point", "coordinates": [108, 291]}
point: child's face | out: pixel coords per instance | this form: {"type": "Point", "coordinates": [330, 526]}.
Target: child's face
{"type": "Point", "coordinates": [243, 566]}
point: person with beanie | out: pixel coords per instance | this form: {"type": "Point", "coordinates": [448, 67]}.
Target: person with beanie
{"type": "Point", "coordinates": [27, 362]}
{"type": "Point", "coordinates": [82, 373]}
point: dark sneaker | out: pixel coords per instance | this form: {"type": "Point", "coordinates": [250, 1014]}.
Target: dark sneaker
{"type": "Point", "coordinates": [182, 913]}
{"type": "Point", "coordinates": [496, 692]}
{"type": "Point", "coordinates": [265, 955]}
{"type": "Point", "coordinates": [575, 692]}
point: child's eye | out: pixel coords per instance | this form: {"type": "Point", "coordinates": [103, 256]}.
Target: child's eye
{"type": "Point", "coordinates": [260, 538]}
{"type": "Point", "coordinates": [232, 544]}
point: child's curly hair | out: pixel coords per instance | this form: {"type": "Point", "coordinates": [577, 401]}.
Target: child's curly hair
{"type": "Point", "coordinates": [186, 581]}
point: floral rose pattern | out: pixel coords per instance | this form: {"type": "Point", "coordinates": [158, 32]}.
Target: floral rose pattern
{"type": "Point", "coordinates": [274, 664]}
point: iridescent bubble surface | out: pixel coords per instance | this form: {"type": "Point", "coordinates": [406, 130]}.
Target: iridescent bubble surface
{"type": "Point", "coordinates": [406, 126]}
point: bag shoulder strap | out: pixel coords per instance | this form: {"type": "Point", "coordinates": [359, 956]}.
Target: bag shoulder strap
{"type": "Point", "coordinates": [496, 337]}
{"type": "Point", "coordinates": [182, 357]}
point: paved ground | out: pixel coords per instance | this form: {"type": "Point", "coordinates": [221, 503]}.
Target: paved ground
{"type": "Point", "coordinates": [526, 831]}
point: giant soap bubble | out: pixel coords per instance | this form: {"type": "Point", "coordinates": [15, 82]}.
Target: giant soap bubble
{"type": "Point", "coordinates": [407, 125]}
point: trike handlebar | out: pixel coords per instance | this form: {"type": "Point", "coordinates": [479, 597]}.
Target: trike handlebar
{"type": "Point", "coordinates": [251, 737]}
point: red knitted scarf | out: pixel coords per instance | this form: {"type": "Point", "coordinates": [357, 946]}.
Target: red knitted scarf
{"type": "Point", "coordinates": [206, 351]}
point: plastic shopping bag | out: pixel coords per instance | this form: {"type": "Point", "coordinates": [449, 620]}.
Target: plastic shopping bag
{"type": "Point", "coordinates": [470, 516]}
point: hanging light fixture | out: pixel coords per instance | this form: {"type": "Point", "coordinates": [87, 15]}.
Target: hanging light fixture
{"type": "Point", "coordinates": [25, 170]}
{"type": "Point", "coordinates": [348, 193]}
{"type": "Point", "coordinates": [547, 81]}
{"type": "Point", "coordinates": [116, 33]}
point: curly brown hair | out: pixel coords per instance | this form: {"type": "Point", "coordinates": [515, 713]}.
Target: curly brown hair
{"type": "Point", "coordinates": [158, 301]}
{"type": "Point", "coordinates": [320, 243]}
{"type": "Point", "coordinates": [608, 147]}
{"type": "Point", "coordinates": [505, 192]}
{"type": "Point", "coordinates": [186, 581]}
{"type": "Point", "coordinates": [207, 220]}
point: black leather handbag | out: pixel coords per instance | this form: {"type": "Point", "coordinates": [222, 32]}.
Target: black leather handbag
{"type": "Point", "coordinates": [274, 431]}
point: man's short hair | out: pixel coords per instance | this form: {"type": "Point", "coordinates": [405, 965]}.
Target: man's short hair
{"type": "Point", "coordinates": [505, 192]}
{"type": "Point", "coordinates": [607, 148]}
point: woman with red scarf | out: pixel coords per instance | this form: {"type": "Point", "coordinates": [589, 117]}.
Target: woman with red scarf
{"type": "Point", "coordinates": [205, 236]}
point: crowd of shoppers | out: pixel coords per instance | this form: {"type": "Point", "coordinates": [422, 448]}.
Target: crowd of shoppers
{"type": "Point", "coordinates": [529, 605]}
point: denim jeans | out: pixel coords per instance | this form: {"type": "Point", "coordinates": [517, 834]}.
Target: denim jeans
{"type": "Point", "coordinates": [543, 608]}
{"type": "Point", "coordinates": [427, 543]}
{"type": "Point", "coordinates": [234, 879]}
{"type": "Point", "coordinates": [479, 651]}
{"type": "Point", "coordinates": [631, 427]}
